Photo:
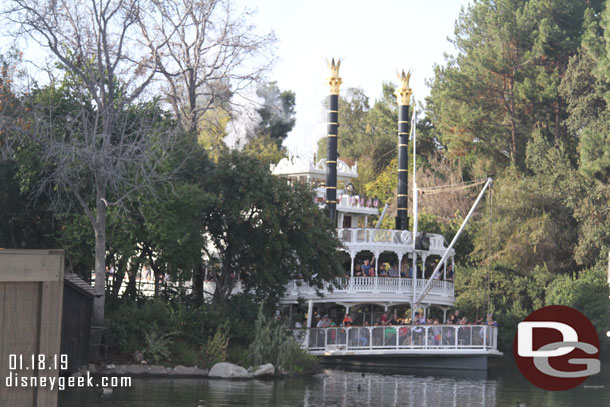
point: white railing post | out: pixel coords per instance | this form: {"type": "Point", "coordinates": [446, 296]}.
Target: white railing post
{"type": "Point", "coordinates": [397, 335]}
{"type": "Point", "coordinates": [456, 336]}
{"type": "Point", "coordinates": [426, 337]}
{"type": "Point", "coordinates": [485, 337]}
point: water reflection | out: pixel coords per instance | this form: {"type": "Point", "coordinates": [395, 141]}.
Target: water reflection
{"type": "Point", "coordinates": [351, 388]}
{"type": "Point", "coordinates": [502, 386]}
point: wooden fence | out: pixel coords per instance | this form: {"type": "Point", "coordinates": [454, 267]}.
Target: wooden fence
{"type": "Point", "coordinates": [31, 290]}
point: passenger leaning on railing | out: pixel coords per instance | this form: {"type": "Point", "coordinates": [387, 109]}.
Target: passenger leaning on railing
{"type": "Point", "coordinates": [366, 267]}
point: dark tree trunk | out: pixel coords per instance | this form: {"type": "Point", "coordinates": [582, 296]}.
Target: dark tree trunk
{"type": "Point", "coordinates": [198, 281]}
{"type": "Point", "coordinates": [100, 255]}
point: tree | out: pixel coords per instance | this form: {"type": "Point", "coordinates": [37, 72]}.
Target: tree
{"type": "Point", "coordinates": [503, 83]}
{"type": "Point", "coordinates": [587, 293]}
{"type": "Point", "coordinates": [212, 54]}
{"type": "Point", "coordinates": [276, 113]}
{"type": "Point", "coordinates": [110, 52]}
{"type": "Point", "coordinates": [264, 232]}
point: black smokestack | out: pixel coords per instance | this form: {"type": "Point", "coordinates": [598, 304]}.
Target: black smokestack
{"type": "Point", "coordinates": [403, 96]}
{"type": "Point", "coordinates": [334, 81]}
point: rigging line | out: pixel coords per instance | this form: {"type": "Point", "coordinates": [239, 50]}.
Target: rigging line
{"type": "Point", "coordinates": [467, 183]}
{"type": "Point", "coordinates": [426, 191]}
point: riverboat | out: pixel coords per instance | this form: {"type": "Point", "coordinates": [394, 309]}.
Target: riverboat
{"type": "Point", "coordinates": [413, 271]}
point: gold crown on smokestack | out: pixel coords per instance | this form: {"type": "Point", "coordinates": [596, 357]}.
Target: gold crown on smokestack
{"type": "Point", "coordinates": [334, 81]}
{"type": "Point", "coordinates": [403, 92]}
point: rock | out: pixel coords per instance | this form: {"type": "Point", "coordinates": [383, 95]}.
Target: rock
{"type": "Point", "coordinates": [110, 366]}
{"type": "Point", "coordinates": [264, 371]}
{"type": "Point", "coordinates": [226, 370]}
{"type": "Point", "coordinates": [188, 371]}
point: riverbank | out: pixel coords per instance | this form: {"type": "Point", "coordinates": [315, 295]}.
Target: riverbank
{"type": "Point", "coordinates": [221, 370]}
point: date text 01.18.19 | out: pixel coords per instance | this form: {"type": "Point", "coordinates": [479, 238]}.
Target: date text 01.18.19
{"type": "Point", "coordinates": [40, 362]}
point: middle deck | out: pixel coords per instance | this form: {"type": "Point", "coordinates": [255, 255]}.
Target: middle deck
{"type": "Point", "coordinates": [380, 290]}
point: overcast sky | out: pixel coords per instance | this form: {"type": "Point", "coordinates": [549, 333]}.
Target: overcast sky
{"type": "Point", "coordinates": [374, 39]}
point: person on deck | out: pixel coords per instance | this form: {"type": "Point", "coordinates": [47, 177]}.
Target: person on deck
{"type": "Point", "coordinates": [393, 271]}
{"type": "Point", "coordinates": [347, 321]}
{"type": "Point", "coordinates": [382, 270]}
{"type": "Point", "coordinates": [490, 320]}
{"type": "Point", "coordinates": [450, 272]}
{"type": "Point", "coordinates": [324, 322]}
{"type": "Point", "coordinates": [358, 270]}
{"type": "Point", "coordinates": [366, 266]}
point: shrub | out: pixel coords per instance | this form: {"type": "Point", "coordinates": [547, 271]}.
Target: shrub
{"type": "Point", "coordinates": [274, 343]}
{"type": "Point", "coordinates": [186, 353]}
{"type": "Point", "coordinates": [158, 345]}
{"type": "Point", "coordinates": [215, 350]}
{"type": "Point", "coordinates": [240, 355]}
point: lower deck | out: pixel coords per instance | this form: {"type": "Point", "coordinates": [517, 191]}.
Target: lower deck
{"type": "Point", "coordinates": [430, 346]}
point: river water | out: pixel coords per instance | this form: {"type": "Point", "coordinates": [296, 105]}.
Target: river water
{"type": "Point", "coordinates": [502, 385]}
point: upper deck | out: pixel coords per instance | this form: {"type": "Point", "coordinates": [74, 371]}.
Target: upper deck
{"type": "Point", "coordinates": [398, 241]}
{"type": "Point", "coordinates": [351, 290]}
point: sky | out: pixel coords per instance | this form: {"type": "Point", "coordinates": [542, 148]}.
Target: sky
{"type": "Point", "coordinates": [374, 40]}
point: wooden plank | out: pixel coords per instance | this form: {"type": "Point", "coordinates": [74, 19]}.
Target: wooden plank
{"type": "Point", "coordinates": [31, 265]}
{"type": "Point", "coordinates": [50, 336]}
{"type": "Point", "coordinates": [20, 337]}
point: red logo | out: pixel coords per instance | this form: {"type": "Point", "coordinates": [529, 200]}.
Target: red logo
{"type": "Point", "coordinates": [556, 348]}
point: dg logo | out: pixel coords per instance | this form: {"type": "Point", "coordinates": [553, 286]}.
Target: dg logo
{"type": "Point", "coordinates": [556, 348]}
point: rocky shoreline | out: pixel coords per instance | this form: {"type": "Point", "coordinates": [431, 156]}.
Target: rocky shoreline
{"type": "Point", "coordinates": [221, 370]}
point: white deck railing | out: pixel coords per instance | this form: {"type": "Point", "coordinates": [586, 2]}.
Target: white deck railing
{"type": "Point", "coordinates": [357, 285]}
{"type": "Point", "coordinates": [399, 337]}
{"type": "Point", "coordinates": [388, 237]}
{"type": "Point", "coordinates": [361, 235]}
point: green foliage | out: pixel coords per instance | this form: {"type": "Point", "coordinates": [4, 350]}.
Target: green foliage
{"type": "Point", "coordinates": [239, 355]}
{"type": "Point", "coordinates": [589, 294]}
{"type": "Point", "coordinates": [265, 149]}
{"type": "Point", "coordinates": [274, 343]}
{"type": "Point", "coordinates": [174, 332]}
{"type": "Point", "coordinates": [157, 345]}
{"type": "Point", "coordinates": [215, 349]}
{"type": "Point", "coordinates": [264, 231]}
{"type": "Point", "coordinates": [276, 112]}
{"type": "Point", "coordinates": [503, 83]}
{"type": "Point", "coordinates": [507, 293]}
{"type": "Point", "coordinates": [212, 130]}
{"type": "Point", "coordinates": [186, 353]}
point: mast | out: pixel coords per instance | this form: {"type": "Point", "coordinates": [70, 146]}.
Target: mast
{"type": "Point", "coordinates": [334, 82]}
{"type": "Point", "coordinates": [403, 97]}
